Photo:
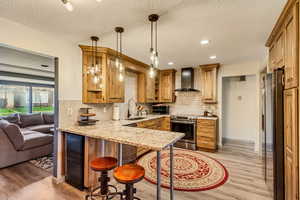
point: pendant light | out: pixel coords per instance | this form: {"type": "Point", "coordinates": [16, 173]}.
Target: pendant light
{"type": "Point", "coordinates": [119, 61]}
{"type": "Point", "coordinates": [153, 18]}
{"type": "Point", "coordinates": [68, 5]}
{"type": "Point", "coordinates": [94, 69]}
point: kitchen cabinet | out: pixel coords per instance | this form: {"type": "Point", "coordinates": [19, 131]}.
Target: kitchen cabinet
{"type": "Point", "coordinates": [150, 89]}
{"type": "Point", "coordinates": [207, 134]}
{"type": "Point", "coordinates": [291, 48]}
{"type": "Point", "coordinates": [167, 86]}
{"type": "Point", "coordinates": [291, 139]}
{"type": "Point", "coordinates": [208, 75]}
{"type": "Point", "coordinates": [284, 46]}
{"type": "Point", "coordinates": [163, 124]}
{"type": "Point", "coordinates": [115, 92]}
{"type": "Point", "coordinates": [108, 88]}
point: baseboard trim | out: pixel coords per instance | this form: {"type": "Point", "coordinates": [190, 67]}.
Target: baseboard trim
{"type": "Point", "coordinates": [237, 141]}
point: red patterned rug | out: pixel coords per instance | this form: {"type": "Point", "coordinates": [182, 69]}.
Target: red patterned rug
{"type": "Point", "coordinates": [193, 171]}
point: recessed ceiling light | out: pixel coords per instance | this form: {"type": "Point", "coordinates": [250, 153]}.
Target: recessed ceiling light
{"type": "Point", "coordinates": [212, 57]}
{"type": "Point", "coordinates": [170, 63]}
{"type": "Point", "coordinates": [204, 42]}
{"type": "Point", "coordinates": [99, 1]}
{"type": "Point", "coordinates": [68, 5]}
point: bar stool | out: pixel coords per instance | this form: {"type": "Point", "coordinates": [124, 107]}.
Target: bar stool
{"type": "Point", "coordinates": [129, 174]}
{"type": "Point", "coordinates": [103, 165]}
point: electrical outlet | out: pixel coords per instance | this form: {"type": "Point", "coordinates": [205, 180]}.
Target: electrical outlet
{"type": "Point", "coordinates": [104, 109]}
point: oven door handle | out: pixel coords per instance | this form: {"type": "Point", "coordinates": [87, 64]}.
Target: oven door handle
{"type": "Point", "coordinates": [182, 122]}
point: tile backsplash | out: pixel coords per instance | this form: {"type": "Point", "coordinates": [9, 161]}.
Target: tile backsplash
{"type": "Point", "coordinates": [191, 103]}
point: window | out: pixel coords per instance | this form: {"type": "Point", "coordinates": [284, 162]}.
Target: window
{"type": "Point", "coordinates": [17, 97]}
{"type": "Point", "coordinates": [14, 99]}
{"type": "Point", "coordinates": [42, 99]}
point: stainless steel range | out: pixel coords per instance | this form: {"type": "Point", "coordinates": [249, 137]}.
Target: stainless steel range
{"type": "Point", "coordinates": [186, 124]}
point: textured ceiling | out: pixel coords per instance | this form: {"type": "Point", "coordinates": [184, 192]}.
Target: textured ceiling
{"type": "Point", "coordinates": [237, 29]}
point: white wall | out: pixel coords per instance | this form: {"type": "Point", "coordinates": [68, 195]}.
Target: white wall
{"type": "Point", "coordinates": [239, 108]}
{"type": "Point", "coordinates": [69, 54]}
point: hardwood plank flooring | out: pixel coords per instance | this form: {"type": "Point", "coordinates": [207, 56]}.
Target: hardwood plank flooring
{"type": "Point", "coordinates": [26, 182]}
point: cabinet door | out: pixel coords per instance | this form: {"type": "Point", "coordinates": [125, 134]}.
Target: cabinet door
{"type": "Point", "coordinates": [209, 83]}
{"type": "Point", "coordinates": [291, 50]}
{"type": "Point", "coordinates": [272, 57]}
{"type": "Point", "coordinates": [280, 50]}
{"type": "Point", "coordinates": [115, 91]}
{"type": "Point", "coordinates": [150, 89]}
{"type": "Point", "coordinates": [291, 143]}
{"type": "Point", "coordinates": [166, 85]}
{"type": "Point", "coordinates": [92, 90]}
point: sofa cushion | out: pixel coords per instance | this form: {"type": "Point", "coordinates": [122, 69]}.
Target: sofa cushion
{"type": "Point", "coordinates": [31, 119]}
{"type": "Point", "coordinates": [13, 133]}
{"type": "Point", "coordinates": [44, 128]}
{"type": "Point", "coordinates": [48, 118]}
{"type": "Point", "coordinates": [36, 139]}
{"type": "Point", "coordinates": [13, 118]}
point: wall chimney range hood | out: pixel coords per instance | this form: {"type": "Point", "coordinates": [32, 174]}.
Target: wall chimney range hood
{"type": "Point", "coordinates": [187, 80]}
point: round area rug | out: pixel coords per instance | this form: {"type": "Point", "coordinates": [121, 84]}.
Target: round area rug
{"type": "Point", "coordinates": [193, 171]}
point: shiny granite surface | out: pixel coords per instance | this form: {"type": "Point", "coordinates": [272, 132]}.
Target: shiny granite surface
{"type": "Point", "coordinates": [117, 131]}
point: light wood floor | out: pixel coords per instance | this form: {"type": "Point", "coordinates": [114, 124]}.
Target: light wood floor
{"type": "Point", "coordinates": [26, 182]}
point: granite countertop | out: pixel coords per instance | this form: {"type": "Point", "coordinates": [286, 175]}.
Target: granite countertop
{"type": "Point", "coordinates": [117, 131]}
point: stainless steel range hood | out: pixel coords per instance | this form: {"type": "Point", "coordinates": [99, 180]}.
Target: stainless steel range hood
{"type": "Point", "coordinates": [187, 80]}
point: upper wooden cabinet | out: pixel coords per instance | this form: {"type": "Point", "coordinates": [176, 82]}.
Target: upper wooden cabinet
{"type": "Point", "coordinates": [115, 87]}
{"type": "Point", "coordinates": [209, 82]}
{"type": "Point", "coordinates": [283, 44]}
{"type": "Point", "coordinates": [291, 48]}
{"type": "Point", "coordinates": [151, 89]}
{"type": "Point", "coordinates": [109, 89]}
{"type": "Point", "coordinates": [167, 85]}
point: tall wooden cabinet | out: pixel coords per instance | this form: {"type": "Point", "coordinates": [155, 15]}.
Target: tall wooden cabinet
{"type": "Point", "coordinates": [209, 82]}
{"type": "Point", "coordinates": [291, 143]}
{"type": "Point", "coordinates": [283, 46]}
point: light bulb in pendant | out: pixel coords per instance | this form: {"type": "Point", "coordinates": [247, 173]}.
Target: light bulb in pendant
{"type": "Point", "coordinates": [95, 79]}
{"type": "Point", "coordinates": [121, 68]}
{"type": "Point", "coordinates": [156, 61]}
{"type": "Point", "coordinates": [121, 77]}
{"type": "Point", "coordinates": [151, 72]}
{"type": "Point", "coordinates": [117, 63]}
{"type": "Point", "coordinates": [152, 56]}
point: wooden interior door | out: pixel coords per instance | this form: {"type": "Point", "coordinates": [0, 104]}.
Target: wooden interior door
{"type": "Point", "coordinates": [291, 143]}
{"type": "Point", "coordinates": [291, 49]}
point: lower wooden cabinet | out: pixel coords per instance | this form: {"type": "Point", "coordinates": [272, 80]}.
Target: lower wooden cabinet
{"type": "Point", "coordinates": [162, 124]}
{"type": "Point", "coordinates": [207, 134]}
{"type": "Point", "coordinates": [291, 143]}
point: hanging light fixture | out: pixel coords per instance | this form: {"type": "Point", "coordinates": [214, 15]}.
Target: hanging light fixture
{"type": "Point", "coordinates": [119, 62]}
{"type": "Point", "coordinates": [68, 5]}
{"type": "Point", "coordinates": [94, 69]}
{"type": "Point", "coordinates": [153, 18]}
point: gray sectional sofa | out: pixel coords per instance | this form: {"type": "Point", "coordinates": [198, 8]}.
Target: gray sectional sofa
{"type": "Point", "coordinates": [25, 137]}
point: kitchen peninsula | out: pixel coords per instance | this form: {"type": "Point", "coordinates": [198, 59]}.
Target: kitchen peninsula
{"type": "Point", "coordinates": [119, 132]}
